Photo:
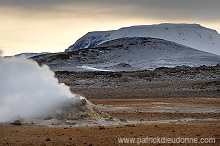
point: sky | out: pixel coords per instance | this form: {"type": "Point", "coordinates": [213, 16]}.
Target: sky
{"type": "Point", "coordinates": [54, 25]}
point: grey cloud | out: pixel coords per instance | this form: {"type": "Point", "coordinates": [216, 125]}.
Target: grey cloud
{"type": "Point", "coordinates": [174, 9]}
{"type": "Point", "coordinates": [153, 3]}
{"type": "Point", "coordinates": [23, 3]}
{"type": "Point", "coordinates": [205, 10]}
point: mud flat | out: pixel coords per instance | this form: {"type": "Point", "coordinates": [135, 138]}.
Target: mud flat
{"type": "Point", "coordinates": [130, 118]}
{"type": "Point", "coordinates": [156, 109]}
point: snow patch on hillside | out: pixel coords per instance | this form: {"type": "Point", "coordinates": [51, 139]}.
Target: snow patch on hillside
{"type": "Point", "coordinates": [191, 35]}
{"type": "Point", "coordinates": [128, 54]}
{"type": "Point", "coordinates": [91, 68]}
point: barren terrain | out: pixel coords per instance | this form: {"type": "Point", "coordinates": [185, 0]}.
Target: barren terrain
{"type": "Point", "coordinates": [167, 102]}
{"type": "Point", "coordinates": [178, 82]}
{"type": "Point", "coordinates": [141, 118]}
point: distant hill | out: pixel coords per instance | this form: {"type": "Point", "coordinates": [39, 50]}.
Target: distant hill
{"type": "Point", "coordinates": [191, 35]}
{"type": "Point", "coordinates": [137, 53]}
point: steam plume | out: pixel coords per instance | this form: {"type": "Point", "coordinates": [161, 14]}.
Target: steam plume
{"type": "Point", "coordinates": [28, 90]}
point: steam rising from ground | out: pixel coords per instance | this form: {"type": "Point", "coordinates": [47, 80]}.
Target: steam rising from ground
{"type": "Point", "coordinates": [29, 90]}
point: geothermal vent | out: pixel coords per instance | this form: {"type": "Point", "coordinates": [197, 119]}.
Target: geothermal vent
{"type": "Point", "coordinates": [29, 91]}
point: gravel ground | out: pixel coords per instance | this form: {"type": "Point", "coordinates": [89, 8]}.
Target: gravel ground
{"type": "Point", "coordinates": [152, 124]}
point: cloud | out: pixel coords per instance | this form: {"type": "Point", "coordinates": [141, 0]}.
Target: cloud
{"type": "Point", "coordinates": [53, 25]}
{"type": "Point", "coordinates": [158, 9]}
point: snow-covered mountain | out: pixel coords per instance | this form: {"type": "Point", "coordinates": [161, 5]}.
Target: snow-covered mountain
{"type": "Point", "coordinates": [191, 35]}
{"type": "Point", "coordinates": [124, 54]}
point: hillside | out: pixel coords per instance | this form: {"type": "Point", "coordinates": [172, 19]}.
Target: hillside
{"type": "Point", "coordinates": [191, 35]}
{"type": "Point", "coordinates": [128, 54]}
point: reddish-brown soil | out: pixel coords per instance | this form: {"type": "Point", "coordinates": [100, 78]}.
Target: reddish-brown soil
{"type": "Point", "coordinates": [108, 135]}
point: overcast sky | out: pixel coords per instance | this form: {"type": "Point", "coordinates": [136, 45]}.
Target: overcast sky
{"type": "Point", "coordinates": [53, 25]}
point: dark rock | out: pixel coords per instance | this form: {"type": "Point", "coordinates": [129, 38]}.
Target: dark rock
{"type": "Point", "coordinates": [130, 125]}
{"type": "Point", "coordinates": [123, 120]}
{"type": "Point", "coordinates": [142, 120]}
{"type": "Point", "coordinates": [17, 122]}
{"type": "Point", "coordinates": [101, 127]}
{"type": "Point", "coordinates": [48, 139]}
{"type": "Point", "coordinates": [109, 119]}
{"type": "Point", "coordinates": [83, 102]}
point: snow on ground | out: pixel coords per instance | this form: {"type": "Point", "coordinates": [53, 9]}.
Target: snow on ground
{"type": "Point", "coordinates": [191, 35]}
{"type": "Point", "coordinates": [92, 68]}
{"type": "Point", "coordinates": [127, 54]}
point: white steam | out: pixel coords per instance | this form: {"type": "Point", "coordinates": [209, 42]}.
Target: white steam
{"type": "Point", "coordinates": [28, 90]}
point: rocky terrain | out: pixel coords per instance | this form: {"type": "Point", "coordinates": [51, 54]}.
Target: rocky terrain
{"type": "Point", "coordinates": [182, 81]}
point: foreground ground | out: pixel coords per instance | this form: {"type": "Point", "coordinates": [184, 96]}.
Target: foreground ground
{"type": "Point", "coordinates": [156, 117]}
{"type": "Point", "coordinates": [27, 135]}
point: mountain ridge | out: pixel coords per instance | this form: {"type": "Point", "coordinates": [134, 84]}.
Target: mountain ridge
{"type": "Point", "coordinates": [191, 35]}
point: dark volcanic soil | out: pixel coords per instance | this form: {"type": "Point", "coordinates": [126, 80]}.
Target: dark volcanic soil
{"type": "Point", "coordinates": [163, 82]}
